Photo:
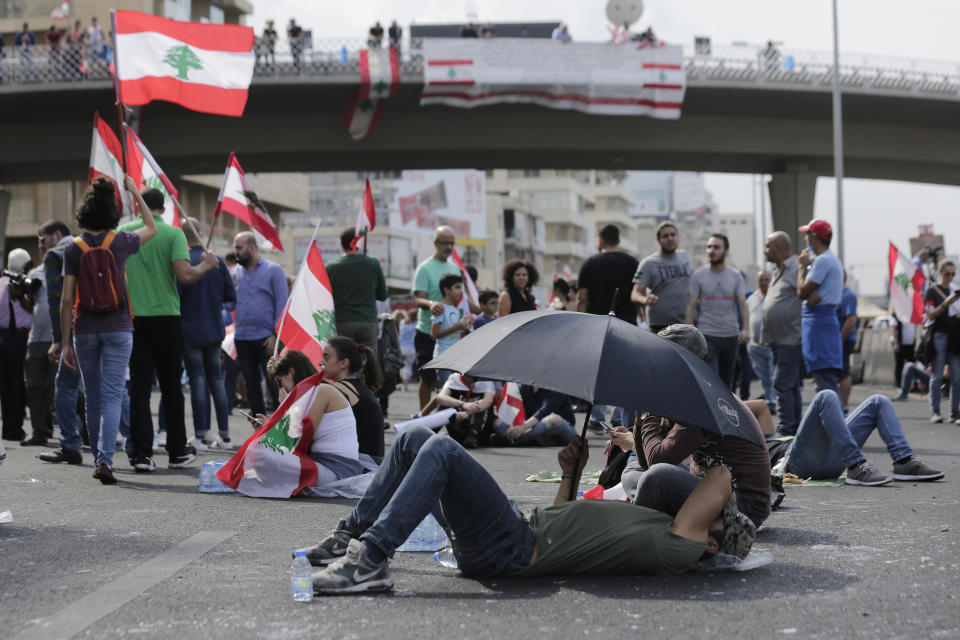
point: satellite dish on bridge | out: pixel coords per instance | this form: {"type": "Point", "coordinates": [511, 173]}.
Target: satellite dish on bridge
{"type": "Point", "coordinates": [624, 12]}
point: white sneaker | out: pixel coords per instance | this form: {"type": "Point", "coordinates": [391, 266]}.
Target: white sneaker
{"type": "Point", "coordinates": [161, 439]}
{"type": "Point", "coordinates": [936, 419]}
{"type": "Point", "coordinates": [225, 443]}
{"type": "Point", "coordinates": [199, 444]}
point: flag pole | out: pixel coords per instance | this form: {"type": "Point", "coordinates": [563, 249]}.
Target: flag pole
{"type": "Point", "coordinates": [116, 87]}
{"type": "Point", "coordinates": [286, 307]}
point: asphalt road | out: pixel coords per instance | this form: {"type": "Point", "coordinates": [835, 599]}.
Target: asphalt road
{"type": "Point", "coordinates": [152, 557]}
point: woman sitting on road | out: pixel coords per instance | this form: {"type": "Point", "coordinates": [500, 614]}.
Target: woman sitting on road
{"type": "Point", "coordinates": [518, 278]}
{"type": "Point", "coordinates": [352, 368]}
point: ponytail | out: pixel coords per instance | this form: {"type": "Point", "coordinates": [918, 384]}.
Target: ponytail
{"type": "Point", "coordinates": [361, 358]}
{"type": "Point", "coordinates": [370, 372]}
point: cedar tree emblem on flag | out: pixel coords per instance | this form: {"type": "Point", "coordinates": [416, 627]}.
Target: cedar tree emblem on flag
{"type": "Point", "coordinates": [182, 59]}
{"type": "Point", "coordinates": [326, 326]}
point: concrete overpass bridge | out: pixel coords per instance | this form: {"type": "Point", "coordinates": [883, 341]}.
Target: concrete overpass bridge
{"type": "Point", "coordinates": [739, 115]}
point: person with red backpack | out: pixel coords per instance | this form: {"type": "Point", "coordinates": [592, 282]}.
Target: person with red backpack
{"type": "Point", "coordinates": [95, 312]}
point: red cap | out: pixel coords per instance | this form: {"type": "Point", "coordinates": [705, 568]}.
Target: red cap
{"type": "Point", "coordinates": [819, 228]}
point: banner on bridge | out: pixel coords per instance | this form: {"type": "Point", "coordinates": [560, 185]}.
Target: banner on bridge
{"type": "Point", "coordinates": [597, 78]}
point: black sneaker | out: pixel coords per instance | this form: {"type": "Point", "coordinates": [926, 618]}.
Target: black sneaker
{"type": "Point", "coordinates": [332, 548]}
{"type": "Point", "coordinates": [179, 462]}
{"type": "Point", "coordinates": [353, 573]}
{"type": "Point", "coordinates": [104, 474]}
{"type": "Point", "coordinates": [35, 441]}
{"type": "Point", "coordinates": [143, 464]}
{"type": "Point", "coordinates": [62, 455]}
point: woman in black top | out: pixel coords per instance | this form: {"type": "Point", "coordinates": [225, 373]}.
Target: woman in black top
{"type": "Point", "coordinates": [353, 368]}
{"type": "Point", "coordinates": [937, 303]}
{"type": "Point", "coordinates": [519, 276]}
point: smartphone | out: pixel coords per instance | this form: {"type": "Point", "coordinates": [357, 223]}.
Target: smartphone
{"type": "Point", "coordinates": [250, 416]}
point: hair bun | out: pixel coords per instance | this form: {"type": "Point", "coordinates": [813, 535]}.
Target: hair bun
{"type": "Point", "coordinates": [104, 188]}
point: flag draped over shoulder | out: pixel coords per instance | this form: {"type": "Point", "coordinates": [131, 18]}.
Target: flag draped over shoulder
{"type": "Point", "coordinates": [275, 461]}
{"type": "Point", "coordinates": [203, 67]}
{"type": "Point", "coordinates": [308, 319]}
{"type": "Point", "coordinates": [510, 408]}
{"type": "Point", "coordinates": [379, 79]}
{"type": "Point", "coordinates": [239, 199]}
{"type": "Point", "coordinates": [142, 167]}
{"type": "Point", "coordinates": [366, 217]}
{"type": "Point", "coordinates": [904, 276]}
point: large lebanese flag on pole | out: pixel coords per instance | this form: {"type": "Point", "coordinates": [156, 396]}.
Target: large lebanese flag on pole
{"type": "Point", "coordinates": [366, 218]}
{"type": "Point", "coordinates": [905, 275]}
{"type": "Point", "coordinates": [203, 67]}
{"type": "Point", "coordinates": [147, 173]}
{"type": "Point", "coordinates": [308, 319]}
{"type": "Point", "coordinates": [275, 461]}
{"type": "Point", "coordinates": [105, 154]}
{"type": "Point", "coordinates": [239, 199]}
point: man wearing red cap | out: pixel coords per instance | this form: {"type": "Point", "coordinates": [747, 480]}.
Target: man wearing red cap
{"type": "Point", "coordinates": [820, 285]}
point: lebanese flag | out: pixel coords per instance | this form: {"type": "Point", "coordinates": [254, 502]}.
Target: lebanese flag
{"type": "Point", "coordinates": [904, 275]}
{"type": "Point", "coordinates": [203, 67]}
{"type": "Point", "coordinates": [366, 218]}
{"type": "Point", "coordinates": [105, 155]}
{"type": "Point", "coordinates": [468, 285]}
{"type": "Point", "coordinates": [275, 461]}
{"type": "Point", "coordinates": [61, 11]}
{"type": "Point", "coordinates": [147, 173]}
{"type": "Point", "coordinates": [308, 320]}
{"type": "Point", "coordinates": [239, 199]}
{"type": "Point", "coordinates": [510, 408]}
{"type": "Point", "coordinates": [229, 344]}
{"type": "Point", "coordinates": [379, 79]}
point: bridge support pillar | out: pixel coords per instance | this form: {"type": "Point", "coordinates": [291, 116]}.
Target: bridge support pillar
{"type": "Point", "coordinates": [5, 198]}
{"type": "Point", "coordinates": [791, 201]}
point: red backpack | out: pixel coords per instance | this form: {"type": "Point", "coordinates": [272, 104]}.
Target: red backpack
{"type": "Point", "coordinates": [100, 285]}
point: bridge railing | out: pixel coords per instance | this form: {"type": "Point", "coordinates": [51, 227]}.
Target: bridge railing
{"type": "Point", "coordinates": [43, 64]}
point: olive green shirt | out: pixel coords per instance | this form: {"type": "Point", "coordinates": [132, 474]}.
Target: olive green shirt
{"type": "Point", "coordinates": [358, 283]}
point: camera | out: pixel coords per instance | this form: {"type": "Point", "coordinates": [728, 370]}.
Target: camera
{"type": "Point", "coordinates": [20, 285]}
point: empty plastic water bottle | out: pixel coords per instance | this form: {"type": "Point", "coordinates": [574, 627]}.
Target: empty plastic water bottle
{"type": "Point", "coordinates": [209, 482]}
{"type": "Point", "coordinates": [301, 577]}
{"type": "Point", "coordinates": [428, 536]}
{"type": "Point", "coordinates": [446, 558]}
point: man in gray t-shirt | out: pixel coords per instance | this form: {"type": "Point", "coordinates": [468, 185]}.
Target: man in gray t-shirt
{"type": "Point", "coordinates": [719, 292]}
{"type": "Point", "coordinates": [662, 280]}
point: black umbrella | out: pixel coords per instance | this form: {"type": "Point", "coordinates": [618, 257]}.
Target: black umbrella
{"type": "Point", "coordinates": [603, 360]}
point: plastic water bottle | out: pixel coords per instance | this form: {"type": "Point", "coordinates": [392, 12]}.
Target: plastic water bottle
{"type": "Point", "coordinates": [301, 577]}
{"type": "Point", "coordinates": [446, 558]}
{"type": "Point", "coordinates": [428, 536]}
{"type": "Point", "coordinates": [209, 482]}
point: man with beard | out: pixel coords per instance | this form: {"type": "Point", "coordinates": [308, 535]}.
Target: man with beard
{"type": "Point", "coordinates": [261, 296]}
{"type": "Point", "coordinates": [662, 280]}
{"type": "Point", "coordinates": [719, 290]}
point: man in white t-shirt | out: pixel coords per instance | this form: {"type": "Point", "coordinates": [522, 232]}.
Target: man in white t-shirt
{"type": "Point", "coordinates": [472, 399]}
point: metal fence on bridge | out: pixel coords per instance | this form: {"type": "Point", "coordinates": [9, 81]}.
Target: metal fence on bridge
{"type": "Point", "coordinates": [738, 66]}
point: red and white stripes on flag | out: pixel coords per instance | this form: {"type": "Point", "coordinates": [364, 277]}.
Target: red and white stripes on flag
{"type": "Point", "coordinates": [275, 461]}
{"type": "Point", "coordinates": [203, 67]}
{"type": "Point", "coordinates": [590, 77]}
{"type": "Point", "coordinates": [379, 80]}
{"type": "Point", "coordinates": [308, 319]}
{"type": "Point", "coordinates": [229, 344]}
{"type": "Point", "coordinates": [105, 155]}
{"type": "Point", "coordinates": [510, 408]}
{"type": "Point", "coordinates": [147, 173]}
{"type": "Point", "coordinates": [61, 11]}
{"type": "Point", "coordinates": [239, 199]}
{"type": "Point", "coordinates": [904, 276]}
{"type": "Point", "coordinates": [366, 217]}
{"type": "Point", "coordinates": [469, 287]}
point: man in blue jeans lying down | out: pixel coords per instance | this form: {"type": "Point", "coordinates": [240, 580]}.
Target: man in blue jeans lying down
{"type": "Point", "coordinates": [424, 472]}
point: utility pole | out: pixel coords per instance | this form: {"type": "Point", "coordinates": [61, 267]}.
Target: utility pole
{"type": "Point", "coordinates": [837, 135]}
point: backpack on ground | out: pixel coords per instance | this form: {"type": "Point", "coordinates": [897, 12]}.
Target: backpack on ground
{"type": "Point", "coordinates": [100, 287]}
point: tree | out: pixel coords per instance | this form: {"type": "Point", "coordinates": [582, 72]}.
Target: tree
{"type": "Point", "coordinates": [182, 59]}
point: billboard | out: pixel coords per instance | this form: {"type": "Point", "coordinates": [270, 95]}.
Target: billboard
{"type": "Point", "coordinates": [427, 199]}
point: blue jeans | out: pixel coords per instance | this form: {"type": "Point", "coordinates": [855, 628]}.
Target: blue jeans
{"type": "Point", "coordinates": [911, 372]}
{"type": "Point", "coordinates": [103, 359]}
{"type": "Point", "coordinates": [761, 357]}
{"type": "Point", "coordinates": [787, 382]}
{"type": "Point", "coordinates": [423, 471]}
{"type": "Point", "coordinates": [623, 416]}
{"type": "Point", "coordinates": [826, 379]}
{"type": "Point", "coordinates": [541, 434]}
{"type": "Point", "coordinates": [722, 356]}
{"type": "Point", "coordinates": [940, 358]}
{"type": "Point", "coordinates": [826, 444]}
{"type": "Point", "coordinates": [206, 379]}
{"type": "Point", "coordinates": [65, 401]}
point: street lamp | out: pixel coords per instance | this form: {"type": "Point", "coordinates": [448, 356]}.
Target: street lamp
{"type": "Point", "coordinates": [837, 135]}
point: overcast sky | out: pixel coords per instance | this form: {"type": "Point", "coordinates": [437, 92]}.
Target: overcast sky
{"type": "Point", "coordinates": [875, 211]}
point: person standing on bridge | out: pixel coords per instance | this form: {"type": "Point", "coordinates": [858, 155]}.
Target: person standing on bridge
{"type": "Point", "coordinates": [662, 280]}
{"type": "Point", "coordinates": [820, 286]}
{"type": "Point", "coordinates": [781, 331]}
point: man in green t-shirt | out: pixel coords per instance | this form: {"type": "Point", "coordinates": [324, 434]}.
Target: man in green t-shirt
{"type": "Point", "coordinates": [424, 472]}
{"type": "Point", "coordinates": [358, 283]}
{"type": "Point", "coordinates": [152, 276]}
{"type": "Point", "coordinates": [429, 299]}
